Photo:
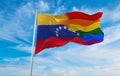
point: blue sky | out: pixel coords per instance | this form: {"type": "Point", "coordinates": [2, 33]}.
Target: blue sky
{"type": "Point", "coordinates": [16, 29]}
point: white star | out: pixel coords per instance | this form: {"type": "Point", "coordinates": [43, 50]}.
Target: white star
{"type": "Point", "coordinates": [78, 34]}
{"type": "Point", "coordinates": [64, 27]}
{"type": "Point", "coordinates": [57, 34]}
{"type": "Point", "coordinates": [60, 28]}
{"type": "Point", "coordinates": [57, 29]}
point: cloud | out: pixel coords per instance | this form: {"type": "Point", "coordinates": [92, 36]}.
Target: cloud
{"type": "Point", "coordinates": [112, 14]}
{"type": "Point", "coordinates": [83, 71]}
{"type": "Point", "coordinates": [111, 34]}
{"type": "Point", "coordinates": [52, 66]}
{"type": "Point", "coordinates": [75, 9]}
{"type": "Point", "coordinates": [85, 9]}
{"type": "Point", "coordinates": [43, 6]}
{"type": "Point", "coordinates": [74, 71]}
{"type": "Point", "coordinates": [16, 28]}
{"type": "Point", "coordinates": [60, 10]}
{"type": "Point", "coordinates": [24, 48]}
{"type": "Point", "coordinates": [14, 71]}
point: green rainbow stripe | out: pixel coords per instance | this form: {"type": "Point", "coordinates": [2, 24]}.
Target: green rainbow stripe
{"type": "Point", "coordinates": [95, 32]}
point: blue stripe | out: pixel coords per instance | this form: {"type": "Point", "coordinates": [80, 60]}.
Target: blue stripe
{"type": "Point", "coordinates": [92, 37]}
{"type": "Point", "coordinates": [61, 31]}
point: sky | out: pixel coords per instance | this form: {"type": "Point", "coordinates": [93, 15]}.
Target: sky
{"type": "Point", "coordinates": [16, 31]}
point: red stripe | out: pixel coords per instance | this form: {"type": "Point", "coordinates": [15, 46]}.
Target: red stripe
{"type": "Point", "coordinates": [55, 42]}
{"type": "Point", "coordinates": [81, 15]}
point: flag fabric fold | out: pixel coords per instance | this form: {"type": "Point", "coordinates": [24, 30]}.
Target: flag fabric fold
{"type": "Point", "coordinates": [58, 30]}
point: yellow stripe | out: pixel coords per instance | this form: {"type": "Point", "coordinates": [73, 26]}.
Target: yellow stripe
{"type": "Point", "coordinates": [91, 27]}
{"type": "Point", "coordinates": [61, 17]}
{"type": "Point", "coordinates": [48, 19]}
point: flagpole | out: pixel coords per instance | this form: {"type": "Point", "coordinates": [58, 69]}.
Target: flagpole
{"type": "Point", "coordinates": [33, 44]}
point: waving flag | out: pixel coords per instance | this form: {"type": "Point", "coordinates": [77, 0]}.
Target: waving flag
{"type": "Point", "coordinates": [78, 27]}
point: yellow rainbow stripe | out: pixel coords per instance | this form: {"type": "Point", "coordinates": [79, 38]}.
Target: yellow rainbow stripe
{"type": "Point", "coordinates": [91, 27]}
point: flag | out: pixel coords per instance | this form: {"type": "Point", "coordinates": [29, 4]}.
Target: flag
{"type": "Point", "coordinates": [58, 30]}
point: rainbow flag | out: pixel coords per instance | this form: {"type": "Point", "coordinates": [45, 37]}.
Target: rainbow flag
{"type": "Point", "coordinates": [58, 30]}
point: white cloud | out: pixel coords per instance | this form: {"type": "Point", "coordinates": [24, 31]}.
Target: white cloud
{"type": "Point", "coordinates": [71, 71]}
{"type": "Point", "coordinates": [16, 28]}
{"type": "Point", "coordinates": [11, 60]}
{"type": "Point", "coordinates": [13, 71]}
{"type": "Point", "coordinates": [24, 48]}
{"type": "Point", "coordinates": [60, 10]}
{"type": "Point", "coordinates": [75, 9]}
{"type": "Point", "coordinates": [43, 6]}
{"type": "Point", "coordinates": [83, 71]}
{"type": "Point", "coordinates": [49, 66]}
{"type": "Point", "coordinates": [84, 9]}
{"type": "Point", "coordinates": [112, 14]}
{"type": "Point", "coordinates": [112, 34]}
